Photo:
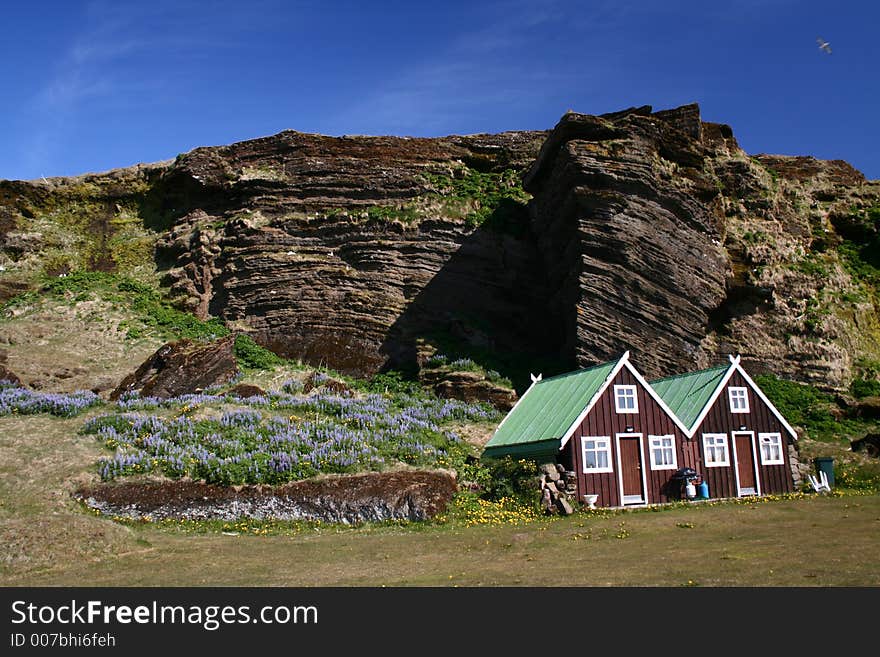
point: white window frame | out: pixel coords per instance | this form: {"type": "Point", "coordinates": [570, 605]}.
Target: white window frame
{"type": "Point", "coordinates": [737, 395]}
{"type": "Point", "coordinates": [771, 438]}
{"type": "Point", "coordinates": [602, 444]}
{"type": "Point", "coordinates": [724, 441]}
{"type": "Point", "coordinates": [625, 390]}
{"type": "Point", "coordinates": [656, 443]}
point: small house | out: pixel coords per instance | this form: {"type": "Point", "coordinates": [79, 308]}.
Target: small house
{"type": "Point", "coordinates": [606, 424]}
{"type": "Point", "coordinates": [737, 438]}
{"type": "Point", "coordinates": [628, 440]}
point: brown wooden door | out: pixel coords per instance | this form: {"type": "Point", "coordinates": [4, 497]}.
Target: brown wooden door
{"type": "Point", "coordinates": [631, 469]}
{"type": "Point", "coordinates": [745, 463]}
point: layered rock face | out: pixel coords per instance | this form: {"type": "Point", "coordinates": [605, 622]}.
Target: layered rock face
{"type": "Point", "coordinates": [342, 251]}
{"type": "Point", "coordinates": [648, 231]}
{"type": "Point", "coordinates": [660, 235]}
{"type": "Point", "coordinates": [637, 262]}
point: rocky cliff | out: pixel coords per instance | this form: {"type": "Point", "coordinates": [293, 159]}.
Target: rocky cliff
{"type": "Point", "coordinates": [662, 236]}
{"type": "Point", "coordinates": [641, 230]}
{"type": "Point", "coordinates": [345, 251]}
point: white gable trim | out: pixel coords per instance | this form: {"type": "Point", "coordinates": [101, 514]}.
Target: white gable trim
{"type": "Point", "coordinates": [580, 418]}
{"type": "Point", "coordinates": [657, 398]}
{"type": "Point", "coordinates": [713, 398]}
{"type": "Point", "coordinates": [623, 362]}
{"type": "Point", "coordinates": [760, 393]}
{"type": "Point", "coordinates": [736, 367]}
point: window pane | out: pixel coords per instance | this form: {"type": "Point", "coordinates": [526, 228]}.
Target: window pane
{"type": "Point", "coordinates": [596, 452]}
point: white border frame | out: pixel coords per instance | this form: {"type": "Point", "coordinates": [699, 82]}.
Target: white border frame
{"type": "Point", "coordinates": [757, 472]}
{"type": "Point", "coordinates": [768, 434]}
{"type": "Point", "coordinates": [626, 387]}
{"type": "Point", "coordinates": [654, 466]}
{"type": "Point", "coordinates": [737, 389]}
{"type": "Point", "coordinates": [644, 499]}
{"type": "Point", "coordinates": [727, 449]}
{"type": "Point", "coordinates": [610, 467]}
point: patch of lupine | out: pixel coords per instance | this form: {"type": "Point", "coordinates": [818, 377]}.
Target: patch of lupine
{"type": "Point", "coordinates": [292, 386]}
{"type": "Point", "coordinates": [363, 409]}
{"type": "Point", "coordinates": [369, 408]}
{"type": "Point", "coordinates": [24, 401]}
{"type": "Point", "coordinates": [242, 418]}
{"type": "Point", "coordinates": [437, 360]}
{"type": "Point", "coordinates": [319, 433]}
{"type": "Point", "coordinates": [132, 401]}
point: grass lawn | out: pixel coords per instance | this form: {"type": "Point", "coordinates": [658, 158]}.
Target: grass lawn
{"type": "Point", "coordinates": [47, 540]}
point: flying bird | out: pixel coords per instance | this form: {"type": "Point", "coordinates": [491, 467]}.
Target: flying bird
{"type": "Point", "coordinates": [824, 45]}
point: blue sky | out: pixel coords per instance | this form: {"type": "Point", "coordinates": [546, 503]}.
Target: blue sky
{"type": "Point", "coordinates": [90, 86]}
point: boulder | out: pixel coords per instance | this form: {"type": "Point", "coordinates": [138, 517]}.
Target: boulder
{"type": "Point", "coordinates": [317, 380]}
{"type": "Point", "coordinates": [868, 407]}
{"type": "Point", "coordinates": [246, 390]}
{"type": "Point", "coordinates": [182, 367]}
{"type": "Point", "coordinates": [5, 373]}
{"type": "Point", "coordinates": [564, 506]}
{"type": "Point", "coordinates": [468, 386]}
{"type": "Point", "coordinates": [870, 444]}
{"type": "Point", "coordinates": [547, 501]}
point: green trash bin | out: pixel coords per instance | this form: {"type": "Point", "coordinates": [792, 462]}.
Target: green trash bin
{"type": "Point", "coordinates": [826, 464]}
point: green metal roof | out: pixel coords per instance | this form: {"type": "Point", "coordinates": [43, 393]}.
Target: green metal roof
{"type": "Point", "coordinates": [687, 394]}
{"type": "Point", "coordinates": [544, 449]}
{"type": "Point", "coordinates": [547, 411]}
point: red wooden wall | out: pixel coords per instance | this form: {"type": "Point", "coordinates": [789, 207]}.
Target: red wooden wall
{"type": "Point", "coordinates": [760, 419]}
{"type": "Point", "coordinates": [603, 420]}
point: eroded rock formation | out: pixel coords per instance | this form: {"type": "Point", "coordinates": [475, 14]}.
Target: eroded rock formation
{"type": "Point", "coordinates": [663, 237]}
{"type": "Point", "coordinates": [649, 231]}
{"type": "Point", "coordinates": [368, 497]}
{"type": "Point", "coordinates": [636, 262]}
{"type": "Point", "coordinates": [182, 367]}
{"type": "Point", "coordinates": [342, 251]}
